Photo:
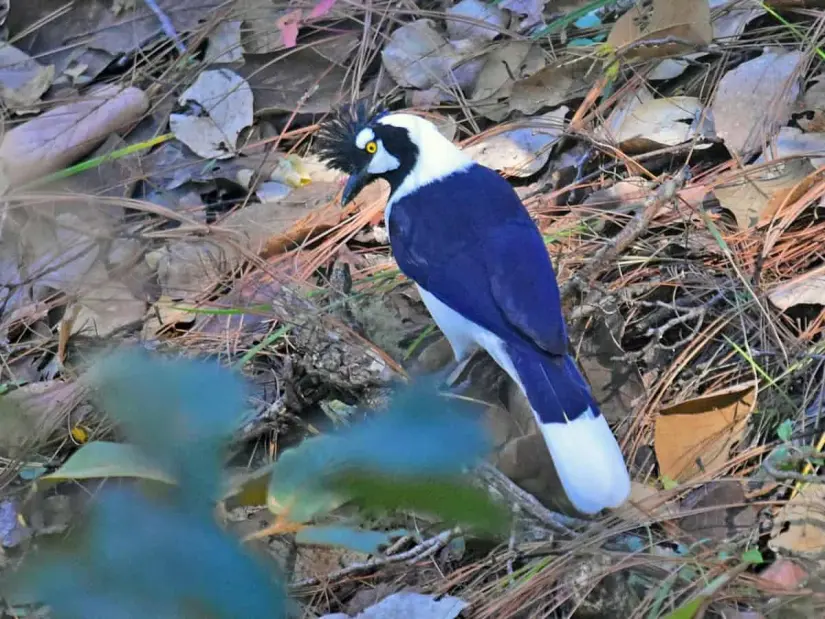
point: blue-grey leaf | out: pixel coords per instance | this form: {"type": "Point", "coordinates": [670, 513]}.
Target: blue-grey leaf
{"type": "Point", "coordinates": [360, 540]}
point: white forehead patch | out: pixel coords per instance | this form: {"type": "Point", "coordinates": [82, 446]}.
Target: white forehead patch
{"type": "Point", "coordinates": [364, 136]}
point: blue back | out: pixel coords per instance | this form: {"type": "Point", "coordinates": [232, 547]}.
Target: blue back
{"type": "Point", "coordinates": [468, 240]}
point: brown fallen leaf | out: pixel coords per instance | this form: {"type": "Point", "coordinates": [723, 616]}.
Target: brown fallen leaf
{"type": "Point", "coordinates": [719, 511]}
{"type": "Point", "coordinates": [696, 436]}
{"type": "Point", "coordinates": [33, 414]}
{"type": "Point", "coordinates": [65, 133]}
{"type": "Point", "coordinates": [755, 99]}
{"type": "Point", "coordinates": [671, 28]}
{"type": "Point", "coordinates": [647, 504]}
{"type": "Point", "coordinates": [550, 87]}
{"type": "Point", "coordinates": [659, 122]}
{"type": "Point", "coordinates": [418, 56]}
{"type": "Point", "coordinates": [98, 26]}
{"type": "Point", "coordinates": [524, 151]}
{"type": "Point", "coordinates": [300, 80]}
{"type": "Point", "coordinates": [806, 288]}
{"type": "Point", "coordinates": [799, 527]}
{"type": "Point", "coordinates": [225, 107]}
{"type": "Point", "coordinates": [23, 80]}
{"type": "Point", "coordinates": [509, 62]}
{"type": "Point", "coordinates": [749, 196]}
{"type": "Point", "coordinates": [475, 19]}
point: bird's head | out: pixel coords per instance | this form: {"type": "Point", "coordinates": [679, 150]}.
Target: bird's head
{"type": "Point", "coordinates": [368, 146]}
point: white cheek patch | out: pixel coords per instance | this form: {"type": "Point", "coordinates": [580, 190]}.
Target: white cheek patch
{"type": "Point", "coordinates": [382, 161]}
{"type": "Point", "coordinates": [364, 136]}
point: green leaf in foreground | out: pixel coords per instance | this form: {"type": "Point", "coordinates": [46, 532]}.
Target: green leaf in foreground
{"type": "Point", "coordinates": [785, 430]}
{"type": "Point", "coordinates": [452, 501]}
{"type": "Point", "coordinates": [100, 459]}
{"type": "Point", "coordinates": [423, 438]}
{"type": "Point", "coordinates": [180, 412]}
{"type": "Point", "coordinates": [360, 540]}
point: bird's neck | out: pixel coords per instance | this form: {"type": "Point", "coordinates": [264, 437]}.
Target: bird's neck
{"type": "Point", "coordinates": [437, 158]}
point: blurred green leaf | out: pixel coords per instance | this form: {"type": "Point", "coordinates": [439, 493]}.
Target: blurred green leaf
{"type": "Point", "coordinates": [453, 501]}
{"type": "Point", "coordinates": [133, 558]}
{"type": "Point", "coordinates": [754, 556]}
{"type": "Point", "coordinates": [422, 435]}
{"type": "Point", "coordinates": [785, 430]}
{"type": "Point", "coordinates": [360, 540]}
{"type": "Point", "coordinates": [687, 610]}
{"type": "Point", "coordinates": [248, 490]}
{"type": "Point", "coordinates": [180, 412]}
{"type": "Point", "coordinates": [103, 459]}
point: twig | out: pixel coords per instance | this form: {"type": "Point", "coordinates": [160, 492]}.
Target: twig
{"type": "Point", "coordinates": [421, 551]}
{"type": "Point", "coordinates": [503, 485]}
{"type": "Point", "coordinates": [777, 458]}
{"type": "Point", "coordinates": [166, 24]}
{"type": "Point", "coordinates": [608, 254]}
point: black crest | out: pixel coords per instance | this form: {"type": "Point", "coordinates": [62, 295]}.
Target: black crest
{"type": "Point", "coordinates": [335, 141]}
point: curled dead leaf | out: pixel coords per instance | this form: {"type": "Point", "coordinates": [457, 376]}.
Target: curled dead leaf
{"type": "Point", "coordinates": [749, 196]}
{"type": "Point", "coordinates": [65, 133]}
{"type": "Point", "coordinates": [806, 288]}
{"type": "Point", "coordinates": [659, 122]}
{"type": "Point", "coordinates": [696, 436]}
{"type": "Point", "coordinates": [521, 152]}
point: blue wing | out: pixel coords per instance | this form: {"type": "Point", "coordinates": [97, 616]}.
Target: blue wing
{"type": "Point", "coordinates": [469, 241]}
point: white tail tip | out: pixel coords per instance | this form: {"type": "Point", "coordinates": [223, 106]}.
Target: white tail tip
{"type": "Point", "coordinates": [588, 461]}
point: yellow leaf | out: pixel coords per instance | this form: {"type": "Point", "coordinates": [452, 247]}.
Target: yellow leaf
{"type": "Point", "coordinates": [696, 436]}
{"type": "Point", "coordinates": [80, 434]}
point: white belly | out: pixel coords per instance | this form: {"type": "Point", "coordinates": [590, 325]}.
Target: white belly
{"type": "Point", "coordinates": [464, 334]}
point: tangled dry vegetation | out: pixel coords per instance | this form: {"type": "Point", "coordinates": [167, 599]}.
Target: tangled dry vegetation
{"type": "Point", "coordinates": [160, 189]}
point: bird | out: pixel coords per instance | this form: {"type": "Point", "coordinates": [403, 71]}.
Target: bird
{"type": "Point", "coordinates": [460, 232]}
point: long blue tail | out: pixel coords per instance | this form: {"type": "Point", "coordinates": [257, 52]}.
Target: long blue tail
{"type": "Point", "coordinates": [587, 457]}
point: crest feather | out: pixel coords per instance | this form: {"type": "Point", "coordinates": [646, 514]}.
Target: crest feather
{"type": "Point", "coordinates": [335, 140]}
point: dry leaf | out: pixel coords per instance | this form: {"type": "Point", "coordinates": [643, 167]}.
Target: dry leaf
{"type": "Point", "coordinates": [696, 436]}
{"type": "Point", "coordinates": [225, 109]}
{"type": "Point", "coordinates": [224, 45]}
{"type": "Point", "coordinates": [646, 504]}
{"type": "Point", "coordinates": [717, 511]}
{"type": "Point", "coordinates": [301, 80]}
{"type": "Point", "coordinates": [631, 190]}
{"type": "Point", "coordinates": [461, 16]}
{"type": "Point", "coordinates": [521, 152]}
{"type": "Point", "coordinates": [510, 61]}
{"type": "Point", "coordinates": [259, 34]}
{"type": "Point", "coordinates": [65, 133]}
{"type": "Point", "coordinates": [807, 288]}
{"type": "Point", "coordinates": [684, 24]}
{"type": "Point", "coordinates": [659, 122]}
{"type": "Point", "coordinates": [549, 87]}
{"type": "Point", "coordinates": [418, 56]}
{"type": "Point", "coordinates": [23, 80]}
{"type": "Point", "coordinates": [792, 142]}
{"type": "Point", "coordinates": [731, 17]}
{"type": "Point", "coordinates": [531, 8]}
{"type": "Point", "coordinates": [750, 195]}
{"type": "Point", "coordinates": [755, 99]}
{"type": "Point", "coordinates": [799, 527]}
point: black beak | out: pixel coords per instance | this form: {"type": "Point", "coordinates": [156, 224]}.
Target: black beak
{"type": "Point", "coordinates": [355, 184]}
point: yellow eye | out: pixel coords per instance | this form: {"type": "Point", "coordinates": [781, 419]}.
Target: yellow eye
{"type": "Point", "coordinates": [371, 148]}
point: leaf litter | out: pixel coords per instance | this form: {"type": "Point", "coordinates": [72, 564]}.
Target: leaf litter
{"type": "Point", "coordinates": [668, 153]}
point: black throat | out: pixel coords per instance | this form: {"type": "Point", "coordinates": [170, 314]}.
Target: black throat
{"type": "Point", "coordinates": [398, 143]}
